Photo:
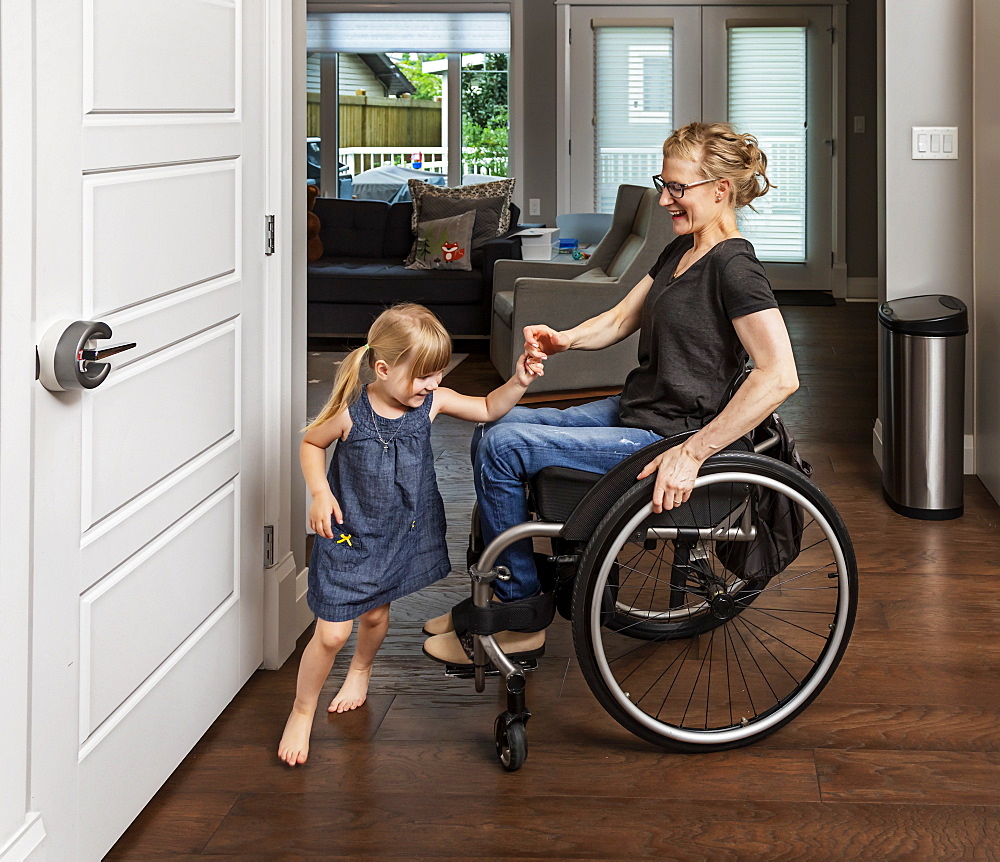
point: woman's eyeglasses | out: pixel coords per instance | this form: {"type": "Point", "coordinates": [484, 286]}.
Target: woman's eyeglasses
{"type": "Point", "coordinates": [676, 189]}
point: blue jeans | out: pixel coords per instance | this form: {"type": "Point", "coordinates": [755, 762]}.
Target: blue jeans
{"type": "Point", "coordinates": [507, 453]}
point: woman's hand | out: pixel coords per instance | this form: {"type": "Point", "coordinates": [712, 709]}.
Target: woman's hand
{"type": "Point", "coordinates": [541, 341]}
{"type": "Point", "coordinates": [676, 470]}
{"type": "Point", "coordinates": [323, 505]}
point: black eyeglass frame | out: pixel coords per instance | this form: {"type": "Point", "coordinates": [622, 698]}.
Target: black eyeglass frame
{"type": "Point", "coordinates": [677, 189]}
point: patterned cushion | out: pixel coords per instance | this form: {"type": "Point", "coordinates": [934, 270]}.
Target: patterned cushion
{"type": "Point", "coordinates": [497, 188]}
{"type": "Point", "coordinates": [488, 211]}
{"type": "Point", "coordinates": [444, 243]}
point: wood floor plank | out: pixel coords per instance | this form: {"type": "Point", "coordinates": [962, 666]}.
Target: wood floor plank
{"type": "Point", "coordinates": [394, 825]}
{"type": "Point", "coordinates": [922, 777]}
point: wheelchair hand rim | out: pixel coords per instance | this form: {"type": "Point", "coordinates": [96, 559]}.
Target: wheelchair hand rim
{"type": "Point", "coordinates": [817, 675]}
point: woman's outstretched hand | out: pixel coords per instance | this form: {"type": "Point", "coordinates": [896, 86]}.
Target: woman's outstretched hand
{"type": "Point", "coordinates": [675, 471]}
{"type": "Point", "coordinates": [541, 341]}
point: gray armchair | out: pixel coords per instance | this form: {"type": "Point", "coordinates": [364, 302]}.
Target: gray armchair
{"type": "Point", "coordinates": [561, 296]}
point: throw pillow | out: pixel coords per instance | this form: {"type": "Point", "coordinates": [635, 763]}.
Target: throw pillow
{"type": "Point", "coordinates": [497, 188]}
{"type": "Point", "coordinates": [444, 243]}
{"type": "Point", "coordinates": [487, 212]}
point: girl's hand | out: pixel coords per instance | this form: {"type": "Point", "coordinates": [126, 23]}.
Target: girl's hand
{"type": "Point", "coordinates": [675, 471]}
{"type": "Point", "coordinates": [541, 341]}
{"type": "Point", "coordinates": [527, 369]}
{"type": "Point", "coordinates": [320, 514]}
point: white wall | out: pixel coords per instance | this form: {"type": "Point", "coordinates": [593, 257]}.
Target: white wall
{"type": "Point", "coordinates": [927, 205]}
{"type": "Point", "coordinates": [986, 238]}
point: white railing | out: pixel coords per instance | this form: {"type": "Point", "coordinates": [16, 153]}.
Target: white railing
{"type": "Point", "coordinates": [360, 159]}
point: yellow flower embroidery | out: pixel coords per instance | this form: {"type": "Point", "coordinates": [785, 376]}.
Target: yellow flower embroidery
{"type": "Point", "coordinates": [345, 538]}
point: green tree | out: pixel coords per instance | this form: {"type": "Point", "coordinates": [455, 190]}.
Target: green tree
{"type": "Point", "coordinates": [428, 85]}
{"type": "Point", "coordinates": [485, 117]}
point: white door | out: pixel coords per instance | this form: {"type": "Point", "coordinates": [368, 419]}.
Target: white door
{"type": "Point", "coordinates": [147, 489]}
{"type": "Point", "coordinates": [647, 70]}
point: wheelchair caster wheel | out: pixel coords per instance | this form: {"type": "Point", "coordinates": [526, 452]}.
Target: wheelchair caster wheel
{"type": "Point", "coordinates": [511, 740]}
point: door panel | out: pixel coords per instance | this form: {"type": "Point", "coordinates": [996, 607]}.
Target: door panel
{"type": "Point", "coordinates": [148, 489]}
{"type": "Point", "coordinates": [168, 390]}
{"type": "Point", "coordinates": [185, 595]}
{"type": "Point", "coordinates": [126, 262]}
{"type": "Point", "coordinates": [162, 55]}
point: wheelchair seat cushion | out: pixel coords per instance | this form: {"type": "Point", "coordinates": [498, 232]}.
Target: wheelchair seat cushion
{"type": "Point", "coordinates": [558, 490]}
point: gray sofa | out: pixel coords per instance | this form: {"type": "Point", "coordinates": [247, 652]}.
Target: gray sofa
{"type": "Point", "coordinates": [561, 295]}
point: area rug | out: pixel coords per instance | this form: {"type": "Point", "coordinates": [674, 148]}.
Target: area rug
{"type": "Point", "coordinates": [321, 368]}
{"type": "Point", "coordinates": [804, 297]}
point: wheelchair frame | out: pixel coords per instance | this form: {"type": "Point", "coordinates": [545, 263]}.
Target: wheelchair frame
{"type": "Point", "coordinates": [589, 619]}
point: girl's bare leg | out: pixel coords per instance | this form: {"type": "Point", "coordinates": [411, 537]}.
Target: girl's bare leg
{"type": "Point", "coordinates": [317, 659]}
{"type": "Point", "coordinates": [372, 627]}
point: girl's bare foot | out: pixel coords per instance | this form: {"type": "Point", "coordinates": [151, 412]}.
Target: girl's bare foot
{"type": "Point", "coordinates": [294, 745]}
{"type": "Point", "coordinates": [354, 690]}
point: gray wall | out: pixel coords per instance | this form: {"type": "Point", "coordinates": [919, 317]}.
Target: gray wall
{"type": "Point", "coordinates": [539, 110]}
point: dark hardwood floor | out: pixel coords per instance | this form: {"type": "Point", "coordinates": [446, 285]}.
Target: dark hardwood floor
{"type": "Point", "coordinates": [899, 758]}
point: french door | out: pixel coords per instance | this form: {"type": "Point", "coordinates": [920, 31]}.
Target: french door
{"type": "Point", "coordinates": [636, 73]}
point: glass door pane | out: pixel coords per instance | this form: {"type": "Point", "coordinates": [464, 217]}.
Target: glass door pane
{"type": "Point", "coordinates": [767, 96]}
{"type": "Point", "coordinates": [634, 75]}
{"type": "Point", "coordinates": [633, 85]}
{"type": "Point", "coordinates": [769, 72]}
{"type": "Point", "coordinates": [485, 116]}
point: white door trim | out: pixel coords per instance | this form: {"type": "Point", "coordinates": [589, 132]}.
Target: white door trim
{"type": "Point", "coordinates": [20, 829]}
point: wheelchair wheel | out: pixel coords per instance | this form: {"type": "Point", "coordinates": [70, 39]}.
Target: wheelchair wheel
{"type": "Point", "coordinates": [511, 739]}
{"type": "Point", "coordinates": [746, 639]}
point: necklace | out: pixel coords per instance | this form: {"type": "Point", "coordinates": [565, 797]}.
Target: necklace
{"type": "Point", "coordinates": [375, 417]}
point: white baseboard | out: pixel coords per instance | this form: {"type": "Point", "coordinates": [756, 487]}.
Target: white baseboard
{"type": "Point", "coordinates": [281, 628]}
{"type": "Point", "coordinates": [25, 845]}
{"type": "Point", "coordinates": [862, 288]}
{"type": "Point", "coordinates": [303, 616]}
{"type": "Point", "coordinates": [968, 455]}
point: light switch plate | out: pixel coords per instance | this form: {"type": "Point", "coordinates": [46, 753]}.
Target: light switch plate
{"type": "Point", "coordinates": [934, 142]}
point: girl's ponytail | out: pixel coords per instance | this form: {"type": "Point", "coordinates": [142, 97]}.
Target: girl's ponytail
{"type": "Point", "coordinates": [346, 386]}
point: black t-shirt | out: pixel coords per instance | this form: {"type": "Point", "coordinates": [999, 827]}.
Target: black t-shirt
{"type": "Point", "coordinates": [689, 352]}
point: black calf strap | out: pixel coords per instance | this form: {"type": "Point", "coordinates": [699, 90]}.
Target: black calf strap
{"type": "Point", "coordinates": [525, 615]}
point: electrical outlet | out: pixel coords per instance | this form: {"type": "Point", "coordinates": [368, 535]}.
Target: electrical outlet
{"type": "Point", "coordinates": [534, 206]}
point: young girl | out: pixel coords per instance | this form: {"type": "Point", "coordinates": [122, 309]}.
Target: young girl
{"type": "Point", "coordinates": [388, 539]}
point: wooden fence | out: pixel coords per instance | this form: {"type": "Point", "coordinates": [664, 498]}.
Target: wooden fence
{"type": "Point", "coordinates": [373, 121]}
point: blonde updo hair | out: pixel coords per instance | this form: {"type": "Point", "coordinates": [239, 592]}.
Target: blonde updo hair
{"type": "Point", "coordinates": [403, 333]}
{"type": "Point", "coordinates": [723, 153]}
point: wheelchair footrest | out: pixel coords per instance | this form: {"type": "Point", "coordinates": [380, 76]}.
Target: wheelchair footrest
{"type": "Point", "coordinates": [468, 671]}
{"type": "Point", "coordinates": [524, 615]}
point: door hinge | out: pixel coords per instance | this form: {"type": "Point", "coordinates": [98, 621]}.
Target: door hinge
{"type": "Point", "coordinates": [833, 34]}
{"type": "Point", "coordinates": [569, 146]}
{"type": "Point", "coordinates": [833, 259]}
{"type": "Point", "coordinates": [268, 546]}
{"type": "Point", "coordinates": [571, 35]}
{"type": "Point", "coordinates": [269, 234]}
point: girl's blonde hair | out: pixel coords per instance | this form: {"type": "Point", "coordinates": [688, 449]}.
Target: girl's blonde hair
{"type": "Point", "coordinates": [725, 154]}
{"type": "Point", "coordinates": [403, 333]}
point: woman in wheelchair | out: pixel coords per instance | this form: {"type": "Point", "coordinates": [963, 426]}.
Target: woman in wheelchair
{"type": "Point", "coordinates": [704, 305]}
{"type": "Point", "coordinates": [660, 576]}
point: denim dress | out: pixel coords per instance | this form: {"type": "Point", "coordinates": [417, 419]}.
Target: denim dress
{"type": "Point", "coordinates": [392, 541]}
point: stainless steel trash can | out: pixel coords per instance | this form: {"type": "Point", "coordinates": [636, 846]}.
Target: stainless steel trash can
{"type": "Point", "coordinates": [923, 405]}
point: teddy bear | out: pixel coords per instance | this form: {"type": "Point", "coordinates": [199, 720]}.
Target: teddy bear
{"type": "Point", "coordinates": [314, 245]}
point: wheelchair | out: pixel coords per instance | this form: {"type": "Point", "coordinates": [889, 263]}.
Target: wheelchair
{"type": "Point", "coordinates": [704, 628]}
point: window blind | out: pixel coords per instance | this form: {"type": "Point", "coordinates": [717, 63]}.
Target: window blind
{"type": "Point", "coordinates": [419, 32]}
{"type": "Point", "coordinates": [633, 106]}
{"type": "Point", "coordinates": [767, 97]}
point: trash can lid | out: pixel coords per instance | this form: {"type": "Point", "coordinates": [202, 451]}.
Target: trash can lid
{"type": "Point", "coordinates": [933, 315]}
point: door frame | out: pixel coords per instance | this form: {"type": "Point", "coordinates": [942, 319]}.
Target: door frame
{"type": "Point", "coordinates": [839, 102]}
